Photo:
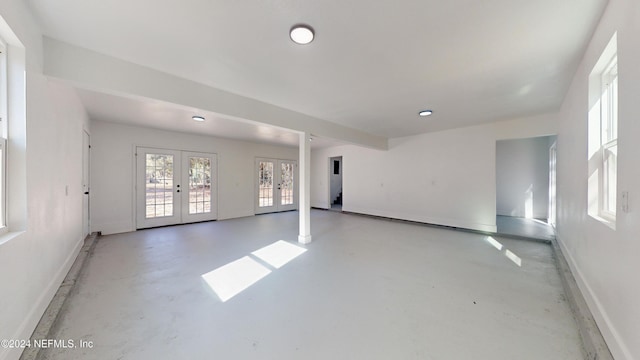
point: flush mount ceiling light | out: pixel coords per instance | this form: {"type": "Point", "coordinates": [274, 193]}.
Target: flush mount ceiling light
{"type": "Point", "coordinates": [425, 113]}
{"type": "Point", "coordinates": [301, 34]}
{"type": "Point", "coordinates": [198, 118]}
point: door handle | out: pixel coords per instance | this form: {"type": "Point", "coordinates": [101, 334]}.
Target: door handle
{"type": "Point", "coordinates": [86, 193]}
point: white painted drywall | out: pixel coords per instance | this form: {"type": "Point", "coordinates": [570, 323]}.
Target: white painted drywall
{"type": "Point", "coordinates": [522, 177]}
{"type": "Point", "coordinates": [45, 222]}
{"type": "Point", "coordinates": [79, 65]}
{"type": "Point", "coordinates": [605, 262]}
{"type": "Point", "coordinates": [445, 178]}
{"type": "Point", "coordinates": [112, 171]}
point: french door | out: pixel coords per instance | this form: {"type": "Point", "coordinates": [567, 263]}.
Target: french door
{"type": "Point", "coordinates": [174, 187]}
{"type": "Point", "coordinates": [276, 185]}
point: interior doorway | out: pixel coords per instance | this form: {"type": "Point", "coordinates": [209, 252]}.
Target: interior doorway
{"type": "Point", "coordinates": [335, 183]}
{"type": "Point", "coordinates": [276, 185]}
{"type": "Point", "coordinates": [525, 187]}
{"type": "Point", "coordinates": [174, 187]}
{"type": "Point", "coordinates": [552, 183]}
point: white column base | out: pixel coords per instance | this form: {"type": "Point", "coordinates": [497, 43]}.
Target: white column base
{"type": "Point", "coordinates": [304, 239]}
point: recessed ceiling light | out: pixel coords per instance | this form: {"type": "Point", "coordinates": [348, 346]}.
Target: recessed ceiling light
{"type": "Point", "coordinates": [198, 118]}
{"type": "Point", "coordinates": [301, 34]}
{"type": "Point", "coordinates": [425, 113]}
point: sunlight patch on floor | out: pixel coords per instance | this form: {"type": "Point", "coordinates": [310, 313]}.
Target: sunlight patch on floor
{"type": "Point", "coordinates": [508, 253]}
{"type": "Point", "coordinates": [279, 253]}
{"type": "Point", "coordinates": [495, 243]}
{"type": "Point", "coordinates": [231, 279]}
{"type": "Point", "coordinates": [513, 257]}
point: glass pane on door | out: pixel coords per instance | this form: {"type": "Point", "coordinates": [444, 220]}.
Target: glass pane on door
{"type": "Point", "coordinates": [159, 185]}
{"type": "Point", "coordinates": [199, 185]}
{"type": "Point", "coordinates": [286, 176]}
{"type": "Point", "coordinates": [265, 183]}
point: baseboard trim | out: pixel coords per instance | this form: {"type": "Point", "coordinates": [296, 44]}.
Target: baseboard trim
{"type": "Point", "coordinates": [34, 316]}
{"type": "Point", "coordinates": [593, 342]}
{"type": "Point", "coordinates": [46, 326]}
{"type": "Point", "coordinates": [113, 228]}
{"type": "Point", "coordinates": [445, 222]}
{"type": "Point", "coordinates": [441, 226]}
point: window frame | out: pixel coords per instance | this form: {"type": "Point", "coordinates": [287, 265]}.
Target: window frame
{"type": "Point", "coordinates": [602, 132]}
{"type": "Point", "coordinates": [4, 130]}
{"type": "Point", "coordinates": [609, 138]}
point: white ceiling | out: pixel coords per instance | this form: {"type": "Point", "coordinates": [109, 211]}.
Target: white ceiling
{"type": "Point", "coordinates": [372, 66]}
{"type": "Point", "coordinates": [161, 115]}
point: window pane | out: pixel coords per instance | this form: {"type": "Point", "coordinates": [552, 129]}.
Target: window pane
{"type": "Point", "coordinates": [199, 184]}
{"type": "Point", "coordinates": [4, 90]}
{"type": "Point", "coordinates": [2, 184]}
{"type": "Point", "coordinates": [265, 178]}
{"type": "Point", "coordinates": [286, 192]}
{"type": "Point", "coordinates": [610, 177]}
{"type": "Point", "coordinates": [159, 185]}
{"type": "Point", "coordinates": [609, 102]}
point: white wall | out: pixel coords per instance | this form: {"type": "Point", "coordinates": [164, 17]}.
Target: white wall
{"type": "Point", "coordinates": [605, 262]}
{"type": "Point", "coordinates": [445, 178]}
{"type": "Point", "coordinates": [45, 221]}
{"type": "Point", "coordinates": [113, 169]}
{"type": "Point", "coordinates": [522, 177]}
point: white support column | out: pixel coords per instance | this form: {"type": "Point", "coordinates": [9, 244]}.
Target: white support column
{"type": "Point", "coordinates": [304, 171]}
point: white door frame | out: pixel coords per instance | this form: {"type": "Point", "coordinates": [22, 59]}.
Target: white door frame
{"type": "Point", "coordinates": [141, 184]}
{"type": "Point", "coordinates": [331, 176]}
{"type": "Point", "coordinates": [187, 217]}
{"type": "Point", "coordinates": [277, 181]}
{"type": "Point", "coordinates": [553, 178]}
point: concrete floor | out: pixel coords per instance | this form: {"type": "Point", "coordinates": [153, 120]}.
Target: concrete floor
{"type": "Point", "coordinates": [522, 227]}
{"type": "Point", "coordinates": [364, 289]}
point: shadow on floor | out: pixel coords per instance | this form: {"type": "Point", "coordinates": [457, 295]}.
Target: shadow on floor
{"type": "Point", "coordinates": [526, 228]}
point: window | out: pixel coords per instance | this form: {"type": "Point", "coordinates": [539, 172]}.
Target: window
{"type": "Point", "coordinates": [3, 135]}
{"type": "Point", "coordinates": [13, 134]}
{"type": "Point", "coordinates": [603, 136]}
